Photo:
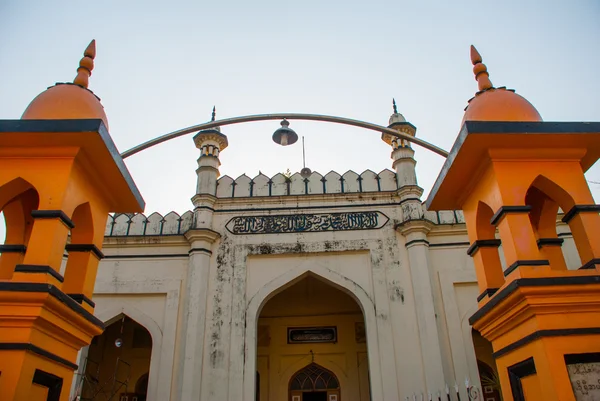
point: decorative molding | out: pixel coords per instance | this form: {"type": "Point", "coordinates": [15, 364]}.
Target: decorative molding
{"type": "Point", "coordinates": [37, 350]}
{"type": "Point", "coordinates": [575, 210]}
{"type": "Point", "coordinates": [56, 293]}
{"type": "Point", "coordinates": [148, 256]}
{"type": "Point", "coordinates": [483, 243]}
{"type": "Point", "coordinates": [443, 244]}
{"type": "Point", "coordinates": [536, 335]}
{"type": "Point", "coordinates": [8, 248]}
{"type": "Point", "coordinates": [508, 209]}
{"type": "Point", "coordinates": [549, 242]}
{"type": "Point", "coordinates": [202, 234]}
{"type": "Point", "coordinates": [417, 241]}
{"type": "Point", "coordinates": [298, 223]}
{"type": "Point", "coordinates": [211, 135]}
{"type": "Point", "coordinates": [487, 292]}
{"type": "Point", "coordinates": [39, 269]}
{"type": "Point", "coordinates": [531, 282]}
{"type": "Point", "coordinates": [414, 226]}
{"type": "Point", "coordinates": [53, 214]}
{"type": "Point", "coordinates": [208, 251]}
{"type": "Point", "coordinates": [511, 268]}
{"type": "Point", "coordinates": [85, 248]}
{"type": "Point", "coordinates": [81, 298]}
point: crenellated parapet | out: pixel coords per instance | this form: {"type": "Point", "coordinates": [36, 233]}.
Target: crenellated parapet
{"type": "Point", "coordinates": [315, 184]}
{"type": "Point", "coordinates": [126, 224]}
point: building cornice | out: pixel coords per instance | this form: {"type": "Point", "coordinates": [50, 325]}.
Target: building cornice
{"type": "Point", "coordinates": [202, 234]}
{"type": "Point", "coordinates": [414, 226]}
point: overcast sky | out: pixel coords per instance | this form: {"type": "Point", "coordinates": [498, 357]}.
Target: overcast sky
{"type": "Point", "coordinates": [162, 65]}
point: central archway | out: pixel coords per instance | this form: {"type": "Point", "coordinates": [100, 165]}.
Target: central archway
{"type": "Point", "coordinates": [311, 343]}
{"type": "Point", "coordinates": [270, 290]}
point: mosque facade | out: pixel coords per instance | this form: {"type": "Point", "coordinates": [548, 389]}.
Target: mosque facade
{"type": "Point", "coordinates": [292, 287]}
{"type": "Point", "coordinates": [304, 287]}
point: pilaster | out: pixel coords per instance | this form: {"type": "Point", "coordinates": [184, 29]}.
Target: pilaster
{"type": "Point", "coordinates": [415, 234]}
{"type": "Point", "coordinates": [195, 299]}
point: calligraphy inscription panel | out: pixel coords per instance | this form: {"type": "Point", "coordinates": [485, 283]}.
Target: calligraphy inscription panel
{"type": "Point", "coordinates": [312, 335]}
{"type": "Point", "coordinates": [298, 223]}
{"type": "Point", "coordinates": [585, 379]}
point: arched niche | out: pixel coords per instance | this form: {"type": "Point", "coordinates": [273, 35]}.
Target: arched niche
{"type": "Point", "coordinates": [112, 315]}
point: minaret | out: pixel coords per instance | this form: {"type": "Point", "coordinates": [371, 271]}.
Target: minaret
{"type": "Point", "coordinates": [202, 239]}
{"type": "Point", "coordinates": [403, 156]}
{"type": "Point", "coordinates": [413, 230]}
{"type": "Point", "coordinates": [210, 142]}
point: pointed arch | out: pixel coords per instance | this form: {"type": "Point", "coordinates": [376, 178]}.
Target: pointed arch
{"type": "Point", "coordinates": [285, 280]}
{"type": "Point", "coordinates": [484, 228]}
{"type": "Point", "coordinates": [314, 377]}
{"type": "Point", "coordinates": [18, 198]}
{"type": "Point", "coordinates": [553, 191]}
{"type": "Point", "coordinates": [111, 315]}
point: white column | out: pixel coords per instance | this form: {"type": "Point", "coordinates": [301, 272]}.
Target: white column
{"type": "Point", "coordinates": [194, 318]}
{"type": "Point", "coordinates": [417, 246]}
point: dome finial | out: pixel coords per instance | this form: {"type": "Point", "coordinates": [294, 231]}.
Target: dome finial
{"type": "Point", "coordinates": [480, 70]}
{"type": "Point", "coordinates": [394, 106]}
{"type": "Point", "coordinates": [214, 114]}
{"type": "Point", "coordinates": [86, 65]}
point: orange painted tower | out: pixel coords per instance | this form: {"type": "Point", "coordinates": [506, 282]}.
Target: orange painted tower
{"type": "Point", "coordinates": [60, 176]}
{"type": "Point", "coordinates": [510, 172]}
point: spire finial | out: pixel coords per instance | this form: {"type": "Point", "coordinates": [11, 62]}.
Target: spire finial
{"type": "Point", "coordinates": [480, 70]}
{"type": "Point", "coordinates": [214, 114]}
{"type": "Point", "coordinates": [86, 65]}
{"type": "Point", "coordinates": [394, 105]}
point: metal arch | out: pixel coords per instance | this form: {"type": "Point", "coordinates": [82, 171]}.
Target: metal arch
{"type": "Point", "coordinates": [280, 116]}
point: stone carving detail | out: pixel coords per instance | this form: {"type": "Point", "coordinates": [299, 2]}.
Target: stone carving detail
{"type": "Point", "coordinates": [585, 379]}
{"type": "Point", "coordinates": [306, 223]}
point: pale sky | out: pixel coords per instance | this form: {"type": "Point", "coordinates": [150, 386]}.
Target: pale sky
{"type": "Point", "coordinates": [162, 65]}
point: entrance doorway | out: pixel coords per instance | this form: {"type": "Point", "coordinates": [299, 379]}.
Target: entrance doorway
{"type": "Point", "coordinates": [306, 330]}
{"type": "Point", "coordinates": [314, 383]}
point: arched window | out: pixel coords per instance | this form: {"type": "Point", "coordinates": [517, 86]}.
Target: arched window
{"type": "Point", "coordinates": [314, 378]}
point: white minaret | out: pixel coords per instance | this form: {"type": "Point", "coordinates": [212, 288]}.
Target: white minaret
{"type": "Point", "coordinates": [203, 241]}
{"type": "Point", "coordinates": [210, 142]}
{"type": "Point", "coordinates": [403, 156]}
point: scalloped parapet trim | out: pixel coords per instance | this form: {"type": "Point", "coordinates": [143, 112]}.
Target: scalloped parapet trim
{"type": "Point", "coordinates": [126, 224]}
{"type": "Point", "coordinates": [315, 184]}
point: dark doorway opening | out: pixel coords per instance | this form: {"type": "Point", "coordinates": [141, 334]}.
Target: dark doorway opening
{"type": "Point", "coordinates": [314, 396]}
